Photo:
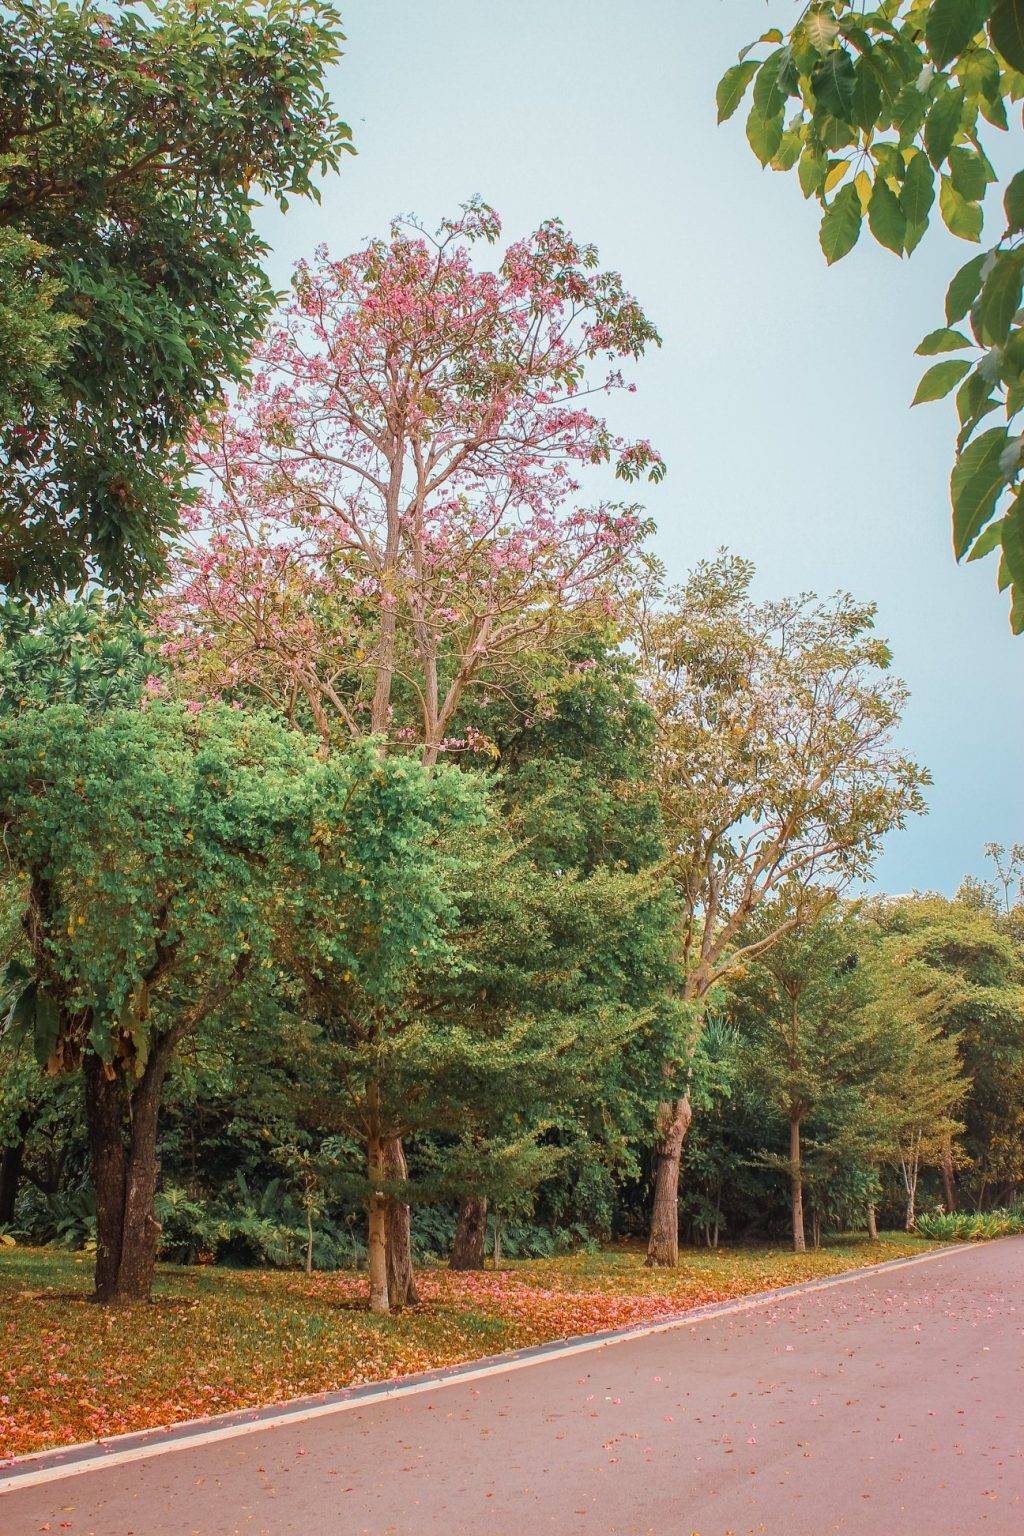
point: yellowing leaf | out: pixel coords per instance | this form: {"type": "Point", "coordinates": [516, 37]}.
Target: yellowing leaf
{"type": "Point", "coordinates": [835, 175]}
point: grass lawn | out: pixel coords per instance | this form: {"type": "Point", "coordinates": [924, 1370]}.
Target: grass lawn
{"type": "Point", "coordinates": [218, 1339]}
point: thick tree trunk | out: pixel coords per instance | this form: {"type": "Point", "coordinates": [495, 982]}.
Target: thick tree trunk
{"type": "Point", "coordinates": [122, 1146]}
{"type": "Point", "coordinates": [872, 1224]}
{"type": "Point", "coordinates": [948, 1184]}
{"type": "Point", "coordinates": [796, 1186]}
{"type": "Point", "coordinates": [673, 1124]}
{"type": "Point", "coordinates": [141, 1228]}
{"type": "Point", "coordinates": [470, 1235]}
{"type": "Point", "coordinates": [376, 1246]}
{"type": "Point", "coordinates": [10, 1177]}
{"type": "Point", "coordinates": [402, 1290]}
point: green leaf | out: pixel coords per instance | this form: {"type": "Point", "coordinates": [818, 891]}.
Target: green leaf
{"type": "Point", "coordinates": [840, 225]}
{"type": "Point", "coordinates": [993, 110]}
{"type": "Point", "coordinates": [733, 87]}
{"type": "Point", "coordinates": [942, 340]}
{"type": "Point", "coordinates": [773, 35]}
{"type": "Point", "coordinates": [821, 30]}
{"type": "Point", "coordinates": [964, 288]}
{"type": "Point", "coordinates": [769, 95]}
{"type": "Point", "coordinates": [811, 172]}
{"type": "Point", "coordinates": [918, 191]}
{"type": "Point", "coordinates": [1000, 297]}
{"type": "Point", "coordinates": [974, 485]}
{"type": "Point", "coordinates": [1006, 29]}
{"type": "Point", "coordinates": [909, 111]}
{"type": "Point", "coordinates": [914, 236]}
{"type": "Point", "coordinates": [941, 125]}
{"type": "Point", "coordinates": [969, 173]}
{"type": "Point", "coordinates": [1017, 612]}
{"type": "Point", "coordinates": [1013, 542]}
{"type": "Point", "coordinates": [979, 73]}
{"type": "Point", "coordinates": [974, 401]}
{"type": "Point", "coordinates": [886, 218]}
{"type": "Point", "coordinates": [959, 216]}
{"type": "Point", "coordinates": [867, 95]}
{"type": "Point", "coordinates": [940, 379]}
{"type": "Point", "coordinates": [22, 1013]}
{"type": "Point", "coordinates": [764, 135]}
{"type": "Point", "coordinates": [1013, 203]}
{"type": "Point", "coordinates": [950, 26]}
{"type": "Point", "coordinates": [788, 152]}
{"type": "Point", "coordinates": [47, 1026]}
{"type": "Point", "coordinates": [987, 542]}
{"type": "Point", "coordinates": [834, 83]}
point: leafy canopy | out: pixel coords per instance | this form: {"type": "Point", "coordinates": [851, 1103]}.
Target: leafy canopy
{"type": "Point", "coordinates": [389, 514]}
{"type": "Point", "coordinates": [884, 113]}
{"type": "Point", "coordinates": [132, 142]}
{"type": "Point", "coordinates": [776, 757]}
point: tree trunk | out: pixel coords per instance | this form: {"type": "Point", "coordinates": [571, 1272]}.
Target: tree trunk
{"type": "Point", "coordinates": [948, 1185]}
{"type": "Point", "coordinates": [872, 1223]}
{"type": "Point", "coordinates": [470, 1235]}
{"type": "Point", "coordinates": [122, 1147]}
{"type": "Point", "coordinates": [309, 1237]}
{"type": "Point", "coordinates": [376, 1246]}
{"type": "Point", "coordinates": [10, 1177]}
{"type": "Point", "coordinates": [402, 1290]}
{"type": "Point", "coordinates": [104, 1114]}
{"type": "Point", "coordinates": [796, 1185]}
{"type": "Point", "coordinates": [673, 1124]}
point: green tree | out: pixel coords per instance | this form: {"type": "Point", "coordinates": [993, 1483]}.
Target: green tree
{"type": "Point", "coordinates": [133, 141]}
{"type": "Point", "coordinates": [778, 771]}
{"type": "Point", "coordinates": [949, 970]}
{"type": "Point", "coordinates": [574, 781]}
{"type": "Point", "coordinates": [883, 111]}
{"type": "Point", "coordinates": [359, 932]}
{"type": "Point", "coordinates": [812, 1050]}
{"type": "Point", "coordinates": [148, 844]}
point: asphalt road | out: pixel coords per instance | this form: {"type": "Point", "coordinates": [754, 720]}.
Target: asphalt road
{"type": "Point", "coordinates": [889, 1406]}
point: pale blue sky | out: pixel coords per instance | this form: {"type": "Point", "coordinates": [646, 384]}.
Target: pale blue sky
{"type": "Point", "coordinates": [780, 396]}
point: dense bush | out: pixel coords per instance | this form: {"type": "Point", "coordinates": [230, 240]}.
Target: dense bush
{"type": "Point", "coordinates": [970, 1226]}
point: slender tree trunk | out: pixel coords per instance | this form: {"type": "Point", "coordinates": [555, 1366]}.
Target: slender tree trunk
{"type": "Point", "coordinates": [470, 1235]}
{"type": "Point", "coordinates": [309, 1237]}
{"type": "Point", "coordinates": [402, 1290]}
{"type": "Point", "coordinates": [796, 1185]}
{"type": "Point", "coordinates": [104, 1114]}
{"type": "Point", "coordinates": [497, 1239]}
{"type": "Point", "coordinates": [673, 1124]}
{"type": "Point", "coordinates": [376, 1246]}
{"type": "Point", "coordinates": [11, 1159]}
{"type": "Point", "coordinates": [872, 1223]}
{"type": "Point", "coordinates": [948, 1183]}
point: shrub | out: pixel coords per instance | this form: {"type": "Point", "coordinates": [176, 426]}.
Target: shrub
{"type": "Point", "coordinates": [969, 1226]}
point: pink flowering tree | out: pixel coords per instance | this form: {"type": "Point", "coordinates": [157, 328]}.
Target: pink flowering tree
{"type": "Point", "coordinates": [389, 513]}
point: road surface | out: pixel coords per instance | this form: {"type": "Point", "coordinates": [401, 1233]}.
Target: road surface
{"type": "Point", "coordinates": [891, 1405]}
